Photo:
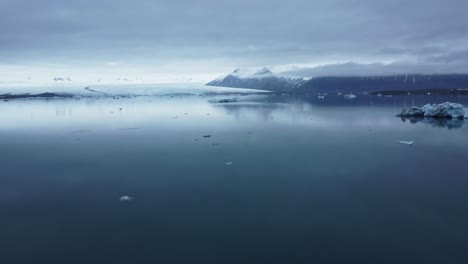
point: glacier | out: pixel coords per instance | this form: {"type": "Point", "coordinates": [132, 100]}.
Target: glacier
{"type": "Point", "coordinates": [11, 91]}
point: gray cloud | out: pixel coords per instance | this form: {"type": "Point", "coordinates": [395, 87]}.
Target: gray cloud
{"type": "Point", "coordinates": [241, 32]}
{"type": "Point", "coordinates": [378, 69]}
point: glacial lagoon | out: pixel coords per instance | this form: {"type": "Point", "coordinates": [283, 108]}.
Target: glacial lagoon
{"type": "Point", "coordinates": [267, 179]}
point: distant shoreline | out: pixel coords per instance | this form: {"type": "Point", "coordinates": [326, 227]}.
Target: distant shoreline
{"type": "Point", "coordinates": [40, 95]}
{"type": "Point", "coordinates": [424, 92]}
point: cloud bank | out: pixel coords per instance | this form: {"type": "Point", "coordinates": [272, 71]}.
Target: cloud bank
{"type": "Point", "coordinates": [209, 37]}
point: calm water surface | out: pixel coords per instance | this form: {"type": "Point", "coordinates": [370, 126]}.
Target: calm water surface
{"type": "Point", "coordinates": [311, 181]}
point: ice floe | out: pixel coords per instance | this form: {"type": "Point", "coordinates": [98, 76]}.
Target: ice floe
{"type": "Point", "coordinates": [403, 142]}
{"type": "Point", "coordinates": [350, 96]}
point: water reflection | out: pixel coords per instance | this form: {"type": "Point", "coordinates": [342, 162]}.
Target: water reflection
{"type": "Point", "coordinates": [436, 122]}
{"type": "Point", "coordinates": [261, 111]}
{"type": "Point", "coordinates": [280, 165]}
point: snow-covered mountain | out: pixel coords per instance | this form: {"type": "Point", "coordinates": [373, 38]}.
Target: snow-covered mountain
{"type": "Point", "coordinates": [262, 79]}
{"type": "Point", "coordinates": [371, 84]}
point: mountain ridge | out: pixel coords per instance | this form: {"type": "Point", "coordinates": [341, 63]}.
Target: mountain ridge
{"type": "Point", "coordinates": [261, 79]}
{"type": "Point", "coordinates": [264, 79]}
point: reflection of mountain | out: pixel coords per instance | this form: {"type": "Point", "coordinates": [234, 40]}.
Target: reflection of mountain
{"type": "Point", "coordinates": [436, 122]}
{"type": "Point", "coordinates": [264, 111]}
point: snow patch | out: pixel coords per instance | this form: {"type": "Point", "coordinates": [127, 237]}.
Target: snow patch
{"type": "Point", "coordinates": [251, 73]}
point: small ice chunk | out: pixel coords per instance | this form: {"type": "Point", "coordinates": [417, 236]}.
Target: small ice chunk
{"type": "Point", "coordinates": [229, 163]}
{"type": "Point", "coordinates": [349, 96]}
{"type": "Point", "coordinates": [410, 143]}
{"type": "Point", "coordinates": [229, 100]}
{"type": "Point", "coordinates": [126, 198]}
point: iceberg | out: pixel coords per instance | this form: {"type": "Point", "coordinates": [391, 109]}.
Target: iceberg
{"type": "Point", "coordinates": [413, 111]}
{"type": "Point", "coordinates": [444, 110]}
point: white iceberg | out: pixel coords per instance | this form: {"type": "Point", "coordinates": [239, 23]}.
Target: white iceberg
{"type": "Point", "coordinates": [444, 110]}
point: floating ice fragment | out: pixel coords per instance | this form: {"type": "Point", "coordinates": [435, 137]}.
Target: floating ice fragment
{"type": "Point", "coordinates": [350, 96]}
{"type": "Point", "coordinates": [223, 101]}
{"type": "Point", "coordinates": [126, 199]}
{"type": "Point", "coordinates": [229, 163]}
{"type": "Point", "coordinates": [410, 143]}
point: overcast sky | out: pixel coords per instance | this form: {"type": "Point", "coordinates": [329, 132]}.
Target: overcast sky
{"type": "Point", "coordinates": [205, 38]}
